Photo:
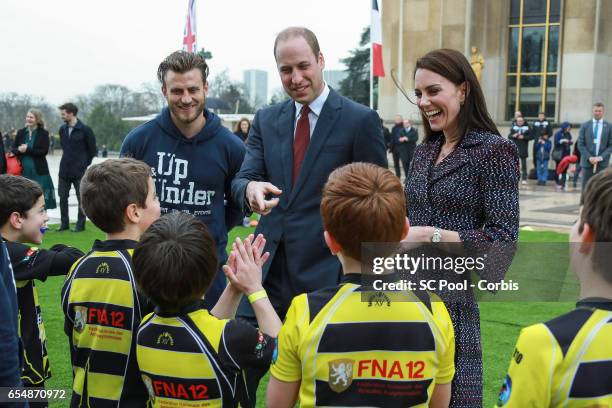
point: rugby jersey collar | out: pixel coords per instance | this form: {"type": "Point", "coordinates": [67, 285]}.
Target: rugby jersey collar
{"type": "Point", "coordinates": [351, 278]}
{"type": "Point", "coordinates": [199, 304]}
{"type": "Point", "coordinates": [595, 303]}
{"type": "Point", "coordinates": [114, 244]}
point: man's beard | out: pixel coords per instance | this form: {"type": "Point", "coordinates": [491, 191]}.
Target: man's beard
{"type": "Point", "coordinates": [181, 116]}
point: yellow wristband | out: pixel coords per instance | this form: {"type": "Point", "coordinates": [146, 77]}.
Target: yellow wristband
{"type": "Point", "coordinates": [255, 296]}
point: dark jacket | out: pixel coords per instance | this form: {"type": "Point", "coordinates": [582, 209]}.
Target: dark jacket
{"type": "Point", "coordinates": [395, 132]}
{"type": "Point", "coordinates": [474, 191]}
{"type": "Point", "coordinates": [242, 136]}
{"type": "Point", "coordinates": [2, 158]}
{"type": "Point", "coordinates": [521, 144]}
{"type": "Point", "coordinates": [406, 149]}
{"type": "Point", "coordinates": [12, 353]}
{"type": "Point", "coordinates": [38, 151]}
{"type": "Point", "coordinates": [79, 149]}
{"type": "Point", "coordinates": [543, 148]}
{"type": "Point", "coordinates": [564, 147]}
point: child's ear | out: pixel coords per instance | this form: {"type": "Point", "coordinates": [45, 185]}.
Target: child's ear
{"type": "Point", "coordinates": [406, 229]}
{"type": "Point", "coordinates": [16, 220]}
{"type": "Point", "coordinates": [587, 238]}
{"type": "Point", "coordinates": [132, 213]}
{"type": "Point", "coordinates": [333, 246]}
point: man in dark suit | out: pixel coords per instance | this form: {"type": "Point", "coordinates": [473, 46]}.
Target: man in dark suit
{"type": "Point", "coordinates": [78, 150]}
{"type": "Point", "coordinates": [398, 125]}
{"type": "Point", "coordinates": [406, 143]}
{"type": "Point", "coordinates": [595, 144]}
{"type": "Point", "coordinates": [292, 148]}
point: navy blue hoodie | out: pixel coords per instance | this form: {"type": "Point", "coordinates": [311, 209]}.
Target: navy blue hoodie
{"type": "Point", "coordinates": [192, 175]}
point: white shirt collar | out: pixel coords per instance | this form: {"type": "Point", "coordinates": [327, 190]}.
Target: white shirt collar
{"type": "Point", "coordinates": [315, 106]}
{"type": "Point", "coordinates": [597, 120]}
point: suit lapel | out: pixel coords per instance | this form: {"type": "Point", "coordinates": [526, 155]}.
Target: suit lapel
{"type": "Point", "coordinates": [285, 130]}
{"type": "Point", "coordinates": [325, 123]}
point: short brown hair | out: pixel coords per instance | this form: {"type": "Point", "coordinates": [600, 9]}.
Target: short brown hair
{"type": "Point", "coordinates": [181, 62]}
{"type": "Point", "coordinates": [599, 105]}
{"type": "Point", "coordinates": [69, 107]}
{"type": "Point", "coordinates": [175, 261]}
{"type": "Point", "coordinates": [306, 34]}
{"type": "Point", "coordinates": [362, 202]}
{"type": "Point", "coordinates": [17, 194]}
{"type": "Point", "coordinates": [107, 189]}
{"type": "Point", "coordinates": [597, 212]}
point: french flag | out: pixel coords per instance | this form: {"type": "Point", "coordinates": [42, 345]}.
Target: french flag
{"type": "Point", "coordinates": [189, 35]}
{"type": "Point", "coordinates": [378, 70]}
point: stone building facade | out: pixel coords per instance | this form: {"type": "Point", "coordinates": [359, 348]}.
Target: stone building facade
{"type": "Point", "coordinates": [550, 55]}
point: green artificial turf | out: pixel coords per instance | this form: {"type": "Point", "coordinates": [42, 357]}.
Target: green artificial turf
{"type": "Point", "coordinates": [500, 321]}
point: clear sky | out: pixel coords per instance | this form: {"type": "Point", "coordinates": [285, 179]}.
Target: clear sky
{"type": "Point", "coordinates": [61, 48]}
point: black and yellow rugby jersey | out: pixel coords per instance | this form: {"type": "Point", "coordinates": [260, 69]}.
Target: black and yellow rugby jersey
{"type": "Point", "coordinates": [566, 362]}
{"type": "Point", "coordinates": [31, 263]}
{"type": "Point", "coordinates": [103, 309]}
{"type": "Point", "coordinates": [350, 352]}
{"type": "Point", "coordinates": [193, 359]}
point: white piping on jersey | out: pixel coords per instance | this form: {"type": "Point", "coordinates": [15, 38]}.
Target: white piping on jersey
{"type": "Point", "coordinates": [210, 358]}
{"type": "Point", "coordinates": [226, 349]}
{"type": "Point", "coordinates": [573, 367]}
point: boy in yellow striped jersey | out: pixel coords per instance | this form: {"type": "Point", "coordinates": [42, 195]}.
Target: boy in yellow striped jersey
{"type": "Point", "coordinates": [567, 361]}
{"type": "Point", "coordinates": [188, 356]}
{"type": "Point", "coordinates": [337, 350]}
{"type": "Point", "coordinates": [100, 300]}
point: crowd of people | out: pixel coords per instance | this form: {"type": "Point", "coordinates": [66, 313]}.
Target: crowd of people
{"type": "Point", "coordinates": [158, 314]}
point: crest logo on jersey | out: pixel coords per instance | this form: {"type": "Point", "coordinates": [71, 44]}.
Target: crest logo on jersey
{"type": "Point", "coordinates": [340, 374]}
{"type": "Point", "coordinates": [379, 299]}
{"type": "Point", "coordinates": [103, 268]}
{"type": "Point", "coordinates": [80, 318]}
{"type": "Point", "coordinates": [504, 392]}
{"type": "Point", "coordinates": [166, 339]}
{"type": "Point", "coordinates": [149, 385]}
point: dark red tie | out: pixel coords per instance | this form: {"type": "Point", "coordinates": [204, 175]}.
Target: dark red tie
{"type": "Point", "coordinates": [300, 143]}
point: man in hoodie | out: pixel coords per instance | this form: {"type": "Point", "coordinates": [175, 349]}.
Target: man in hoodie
{"type": "Point", "coordinates": [193, 157]}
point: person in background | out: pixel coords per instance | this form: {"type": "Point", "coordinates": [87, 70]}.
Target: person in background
{"type": "Point", "coordinates": [2, 158]}
{"type": "Point", "coordinates": [31, 146]}
{"type": "Point", "coordinates": [562, 148]}
{"type": "Point", "coordinates": [595, 144]}
{"type": "Point", "coordinates": [104, 151]}
{"type": "Point", "coordinates": [242, 129]}
{"type": "Point", "coordinates": [78, 150]}
{"type": "Point", "coordinates": [542, 157]}
{"type": "Point", "coordinates": [406, 143]}
{"type": "Point", "coordinates": [577, 168]}
{"type": "Point", "coordinates": [398, 125]}
{"type": "Point", "coordinates": [520, 134]}
{"type": "Point", "coordinates": [539, 126]}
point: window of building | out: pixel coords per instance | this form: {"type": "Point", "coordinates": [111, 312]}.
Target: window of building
{"type": "Point", "coordinates": [533, 53]}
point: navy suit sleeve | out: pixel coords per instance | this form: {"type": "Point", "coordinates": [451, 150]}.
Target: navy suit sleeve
{"type": "Point", "coordinates": [584, 151]}
{"type": "Point", "coordinates": [233, 209]}
{"type": "Point", "coordinates": [10, 369]}
{"type": "Point", "coordinates": [253, 168]}
{"type": "Point", "coordinates": [606, 151]}
{"type": "Point", "coordinates": [369, 144]}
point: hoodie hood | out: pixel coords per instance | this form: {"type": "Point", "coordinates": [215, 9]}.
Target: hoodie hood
{"type": "Point", "coordinates": [210, 130]}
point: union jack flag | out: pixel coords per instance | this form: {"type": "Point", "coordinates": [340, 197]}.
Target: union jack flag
{"type": "Point", "coordinates": [190, 32]}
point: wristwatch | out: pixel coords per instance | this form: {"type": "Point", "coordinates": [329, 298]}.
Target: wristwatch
{"type": "Point", "coordinates": [436, 236]}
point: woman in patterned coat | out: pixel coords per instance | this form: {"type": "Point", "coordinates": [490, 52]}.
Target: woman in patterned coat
{"type": "Point", "coordinates": [462, 187]}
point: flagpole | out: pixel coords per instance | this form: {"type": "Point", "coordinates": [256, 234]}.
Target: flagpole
{"type": "Point", "coordinates": [371, 73]}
